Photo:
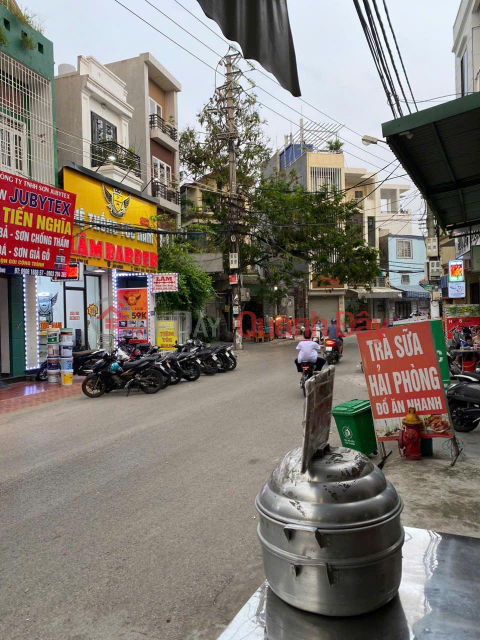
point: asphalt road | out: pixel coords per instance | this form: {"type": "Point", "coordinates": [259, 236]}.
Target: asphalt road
{"type": "Point", "coordinates": [132, 518]}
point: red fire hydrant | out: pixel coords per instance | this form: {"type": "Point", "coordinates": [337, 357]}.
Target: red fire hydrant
{"type": "Point", "coordinates": [409, 436]}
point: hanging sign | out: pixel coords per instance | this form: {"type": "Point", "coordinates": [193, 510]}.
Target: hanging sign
{"type": "Point", "coordinates": [455, 271]}
{"type": "Point", "coordinates": [233, 279]}
{"type": "Point", "coordinates": [36, 226]}
{"type": "Point", "coordinates": [456, 289]}
{"type": "Point", "coordinates": [233, 260]}
{"type": "Point", "coordinates": [163, 282]}
{"type": "Point", "coordinates": [404, 367]}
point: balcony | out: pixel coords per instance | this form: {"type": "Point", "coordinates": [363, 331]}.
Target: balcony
{"type": "Point", "coordinates": [169, 198]}
{"type": "Point", "coordinates": [117, 163]}
{"type": "Point", "coordinates": [163, 133]}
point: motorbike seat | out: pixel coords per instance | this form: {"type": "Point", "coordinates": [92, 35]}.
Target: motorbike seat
{"type": "Point", "coordinates": [204, 352]}
{"type": "Point", "coordinates": [79, 354]}
{"type": "Point", "coordinates": [132, 364]}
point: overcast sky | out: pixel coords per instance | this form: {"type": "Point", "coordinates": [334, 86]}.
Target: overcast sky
{"type": "Point", "coordinates": [336, 71]}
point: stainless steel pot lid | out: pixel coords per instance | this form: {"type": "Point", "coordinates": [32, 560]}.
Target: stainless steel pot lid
{"type": "Point", "coordinates": [341, 489]}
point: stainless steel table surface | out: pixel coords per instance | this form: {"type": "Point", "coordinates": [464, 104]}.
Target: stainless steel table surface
{"type": "Point", "coordinates": [439, 599]}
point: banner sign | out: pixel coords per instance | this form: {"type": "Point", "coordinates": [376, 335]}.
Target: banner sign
{"type": "Point", "coordinates": [163, 282]}
{"type": "Point", "coordinates": [166, 334]}
{"type": "Point", "coordinates": [132, 308]}
{"type": "Point", "coordinates": [402, 369]}
{"type": "Point", "coordinates": [36, 226]}
{"type": "Point", "coordinates": [455, 271]}
{"type": "Point", "coordinates": [456, 289]}
{"type": "Point", "coordinates": [113, 228]}
{"type": "Point", "coordinates": [459, 316]}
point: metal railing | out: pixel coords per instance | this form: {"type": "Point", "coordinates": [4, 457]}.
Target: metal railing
{"type": "Point", "coordinates": [160, 190]}
{"type": "Point", "coordinates": [110, 152]}
{"type": "Point", "coordinates": [156, 122]}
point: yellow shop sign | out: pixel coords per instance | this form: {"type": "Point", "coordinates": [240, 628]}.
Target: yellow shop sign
{"type": "Point", "coordinates": [113, 228]}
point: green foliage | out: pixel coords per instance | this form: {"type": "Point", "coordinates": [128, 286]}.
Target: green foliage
{"type": "Point", "coordinates": [207, 328]}
{"type": "Point", "coordinates": [28, 43]}
{"type": "Point", "coordinates": [194, 285]}
{"type": "Point", "coordinates": [285, 230]}
{"type": "Point", "coordinates": [208, 155]}
{"type": "Point", "coordinates": [334, 145]}
{"type": "Point", "coordinates": [24, 16]}
{"type": "Point", "coordinates": [4, 41]}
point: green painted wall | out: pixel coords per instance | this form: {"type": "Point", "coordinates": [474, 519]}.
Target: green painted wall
{"type": "Point", "coordinates": [42, 63]}
{"type": "Point", "coordinates": [16, 327]}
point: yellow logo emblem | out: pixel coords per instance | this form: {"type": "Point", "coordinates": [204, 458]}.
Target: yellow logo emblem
{"type": "Point", "coordinates": [117, 204]}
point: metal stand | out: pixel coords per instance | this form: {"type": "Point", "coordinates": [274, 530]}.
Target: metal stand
{"type": "Point", "coordinates": [384, 455]}
{"type": "Point", "coordinates": [455, 451]}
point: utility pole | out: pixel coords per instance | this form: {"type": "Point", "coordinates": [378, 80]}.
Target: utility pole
{"type": "Point", "coordinates": [226, 98]}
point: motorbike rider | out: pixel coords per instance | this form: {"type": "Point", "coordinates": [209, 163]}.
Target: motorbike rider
{"type": "Point", "coordinates": [334, 333]}
{"type": "Point", "coordinates": [308, 352]}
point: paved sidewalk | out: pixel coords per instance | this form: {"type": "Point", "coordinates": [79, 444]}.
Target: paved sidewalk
{"type": "Point", "coordinates": [21, 395]}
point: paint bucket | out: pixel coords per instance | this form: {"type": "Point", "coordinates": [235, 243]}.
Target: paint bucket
{"type": "Point", "coordinates": [53, 376]}
{"type": "Point", "coordinates": [66, 350]}
{"type": "Point", "coordinates": [52, 336]}
{"type": "Point", "coordinates": [66, 364]}
{"type": "Point", "coordinates": [53, 364]}
{"type": "Point", "coordinates": [52, 350]}
{"type": "Point", "coordinates": [66, 336]}
{"type": "Point", "coordinates": [66, 377]}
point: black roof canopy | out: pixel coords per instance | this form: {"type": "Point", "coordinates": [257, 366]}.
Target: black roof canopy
{"type": "Point", "coordinates": [440, 150]}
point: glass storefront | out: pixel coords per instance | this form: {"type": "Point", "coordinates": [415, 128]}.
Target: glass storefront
{"type": "Point", "coordinates": [73, 304]}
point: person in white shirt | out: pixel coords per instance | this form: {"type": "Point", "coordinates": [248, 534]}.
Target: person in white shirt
{"type": "Point", "coordinates": [308, 351]}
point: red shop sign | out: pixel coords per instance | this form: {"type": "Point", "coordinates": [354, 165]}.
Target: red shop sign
{"type": "Point", "coordinates": [36, 226]}
{"type": "Point", "coordinates": [401, 371]}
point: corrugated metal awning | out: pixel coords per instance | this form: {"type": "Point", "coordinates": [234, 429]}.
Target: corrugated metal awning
{"type": "Point", "coordinates": [413, 291]}
{"type": "Point", "coordinates": [440, 150]}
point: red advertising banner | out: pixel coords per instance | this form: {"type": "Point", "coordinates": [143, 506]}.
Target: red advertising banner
{"type": "Point", "coordinates": [36, 226]}
{"type": "Point", "coordinates": [162, 282]}
{"type": "Point", "coordinates": [401, 370]}
{"type": "Point", "coordinates": [473, 322]}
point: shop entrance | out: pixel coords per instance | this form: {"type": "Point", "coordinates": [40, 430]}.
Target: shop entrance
{"type": "Point", "coordinates": [403, 310]}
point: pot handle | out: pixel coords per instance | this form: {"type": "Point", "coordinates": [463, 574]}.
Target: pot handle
{"type": "Point", "coordinates": [289, 529]}
{"type": "Point", "coordinates": [322, 539]}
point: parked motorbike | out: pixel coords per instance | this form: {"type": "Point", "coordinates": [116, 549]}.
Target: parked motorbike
{"type": "Point", "coordinates": [117, 371]}
{"type": "Point", "coordinates": [83, 362]}
{"type": "Point", "coordinates": [464, 404]}
{"type": "Point", "coordinates": [207, 360]}
{"type": "Point", "coordinates": [226, 358]}
{"type": "Point", "coordinates": [185, 365]}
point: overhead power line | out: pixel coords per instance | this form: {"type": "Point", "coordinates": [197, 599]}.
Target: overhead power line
{"type": "Point", "coordinates": [256, 85]}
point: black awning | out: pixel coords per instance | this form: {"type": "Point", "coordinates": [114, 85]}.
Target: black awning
{"type": "Point", "coordinates": [440, 150]}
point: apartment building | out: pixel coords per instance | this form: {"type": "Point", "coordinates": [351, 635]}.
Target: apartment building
{"type": "Point", "coordinates": [466, 47]}
{"type": "Point", "coordinates": [380, 211]}
{"type": "Point", "coordinates": [153, 94]}
{"type": "Point", "coordinates": [27, 137]}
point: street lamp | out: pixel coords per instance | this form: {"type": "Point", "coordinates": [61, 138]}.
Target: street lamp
{"type": "Point", "coordinates": [371, 140]}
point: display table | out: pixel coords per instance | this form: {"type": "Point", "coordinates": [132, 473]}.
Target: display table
{"type": "Point", "coordinates": [438, 600]}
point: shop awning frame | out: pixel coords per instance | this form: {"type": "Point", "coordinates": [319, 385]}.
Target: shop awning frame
{"type": "Point", "coordinates": [376, 292]}
{"type": "Point", "coordinates": [413, 291]}
{"type": "Point", "coordinates": [439, 148]}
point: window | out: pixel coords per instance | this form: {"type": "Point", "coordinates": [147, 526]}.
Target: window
{"type": "Point", "coordinates": [102, 130]}
{"type": "Point", "coordinates": [358, 195]}
{"type": "Point", "coordinates": [404, 248]}
{"type": "Point", "coordinates": [40, 47]}
{"type": "Point", "coordinates": [7, 24]}
{"type": "Point", "coordinates": [405, 278]}
{"type": "Point", "coordinates": [13, 156]}
{"type": "Point", "coordinates": [161, 171]}
{"type": "Point", "coordinates": [325, 177]}
{"type": "Point", "coordinates": [464, 73]}
{"type": "Point", "coordinates": [155, 108]}
{"type": "Point", "coordinates": [371, 231]}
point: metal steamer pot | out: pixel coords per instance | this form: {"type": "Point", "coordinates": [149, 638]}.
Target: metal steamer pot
{"type": "Point", "coordinates": [331, 537]}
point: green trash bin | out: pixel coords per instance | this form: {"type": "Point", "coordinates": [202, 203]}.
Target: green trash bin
{"type": "Point", "coordinates": [355, 425]}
